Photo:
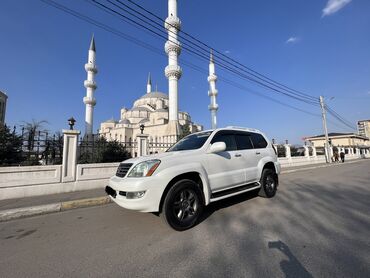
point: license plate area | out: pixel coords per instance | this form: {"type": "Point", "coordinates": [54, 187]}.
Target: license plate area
{"type": "Point", "coordinates": [110, 191]}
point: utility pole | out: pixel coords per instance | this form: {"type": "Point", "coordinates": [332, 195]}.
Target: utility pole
{"type": "Point", "coordinates": [327, 146]}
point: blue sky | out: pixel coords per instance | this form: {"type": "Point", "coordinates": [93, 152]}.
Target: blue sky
{"type": "Point", "coordinates": [319, 47]}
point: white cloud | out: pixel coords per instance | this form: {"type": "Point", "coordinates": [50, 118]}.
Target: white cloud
{"type": "Point", "coordinates": [333, 6]}
{"type": "Point", "coordinates": [227, 51]}
{"type": "Point", "coordinates": [293, 40]}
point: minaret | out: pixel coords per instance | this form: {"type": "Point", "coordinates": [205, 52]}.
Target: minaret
{"type": "Point", "coordinates": [149, 84]}
{"type": "Point", "coordinates": [173, 70]}
{"type": "Point", "coordinates": [212, 93]}
{"type": "Point", "coordinates": [90, 86]}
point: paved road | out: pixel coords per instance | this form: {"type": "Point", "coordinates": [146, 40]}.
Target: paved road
{"type": "Point", "coordinates": [317, 226]}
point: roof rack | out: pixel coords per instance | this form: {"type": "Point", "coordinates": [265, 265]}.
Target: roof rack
{"type": "Point", "coordinates": [244, 128]}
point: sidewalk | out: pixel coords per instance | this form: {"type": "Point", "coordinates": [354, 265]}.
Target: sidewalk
{"type": "Point", "coordinates": [51, 199]}
{"type": "Point", "coordinates": [31, 206]}
{"type": "Point", "coordinates": [38, 205]}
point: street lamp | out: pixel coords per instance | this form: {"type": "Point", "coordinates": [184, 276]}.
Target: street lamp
{"type": "Point", "coordinates": [71, 122]}
{"type": "Point", "coordinates": [142, 128]}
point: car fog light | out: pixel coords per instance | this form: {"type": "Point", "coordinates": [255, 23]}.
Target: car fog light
{"type": "Point", "coordinates": [135, 195]}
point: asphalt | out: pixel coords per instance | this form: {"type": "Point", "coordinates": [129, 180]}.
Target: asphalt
{"type": "Point", "coordinates": [316, 226]}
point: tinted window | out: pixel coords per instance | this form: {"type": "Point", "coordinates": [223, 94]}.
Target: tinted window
{"type": "Point", "coordinates": [191, 142]}
{"type": "Point", "coordinates": [243, 142]}
{"type": "Point", "coordinates": [227, 138]}
{"type": "Point", "coordinates": [258, 141]}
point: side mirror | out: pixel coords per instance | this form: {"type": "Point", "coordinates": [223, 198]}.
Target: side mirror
{"type": "Point", "coordinates": [217, 147]}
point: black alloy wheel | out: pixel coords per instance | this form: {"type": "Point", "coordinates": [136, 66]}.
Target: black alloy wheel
{"type": "Point", "coordinates": [269, 183]}
{"type": "Point", "coordinates": [183, 205]}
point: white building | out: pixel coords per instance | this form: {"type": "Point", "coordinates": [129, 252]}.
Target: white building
{"type": "Point", "coordinates": [3, 100]}
{"type": "Point", "coordinates": [157, 112]}
{"type": "Point", "coordinates": [90, 85]}
{"type": "Point", "coordinates": [364, 128]}
{"type": "Point", "coordinates": [152, 111]}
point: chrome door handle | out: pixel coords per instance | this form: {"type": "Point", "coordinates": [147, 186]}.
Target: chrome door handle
{"type": "Point", "coordinates": [238, 155]}
{"type": "Point", "coordinates": [258, 153]}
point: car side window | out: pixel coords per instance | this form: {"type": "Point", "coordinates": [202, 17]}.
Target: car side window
{"type": "Point", "coordinates": [258, 141]}
{"type": "Point", "coordinates": [227, 138]}
{"type": "Point", "coordinates": [243, 141]}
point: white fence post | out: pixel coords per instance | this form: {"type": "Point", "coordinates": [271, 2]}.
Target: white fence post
{"type": "Point", "coordinates": [69, 155]}
{"type": "Point", "coordinates": [287, 151]}
{"type": "Point", "coordinates": [314, 153]}
{"type": "Point", "coordinates": [306, 152]}
{"type": "Point", "coordinates": [142, 144]}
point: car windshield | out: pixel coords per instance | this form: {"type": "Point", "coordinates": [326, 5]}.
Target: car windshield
{"type": "Point", "coordinates": [191, 142]}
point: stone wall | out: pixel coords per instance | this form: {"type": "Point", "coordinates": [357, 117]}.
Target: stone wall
{"type": "Point", "coordinates": [27, 181]}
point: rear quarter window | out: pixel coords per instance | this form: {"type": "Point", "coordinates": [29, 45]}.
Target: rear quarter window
{"type": "Point", "coordinates": [258, 141]}
{"type": "Point", "coordinates": [243, 142]}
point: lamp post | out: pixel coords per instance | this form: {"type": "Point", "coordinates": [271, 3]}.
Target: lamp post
{"type": "Point", "coordinates": [142, 128]}
{"type": "Point", "coordinates": [71, 122]}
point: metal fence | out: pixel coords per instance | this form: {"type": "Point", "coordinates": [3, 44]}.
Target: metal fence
{"type": "Point", "coordinates": [96, 149]}
{"type": "Point", "coordinates": [39, 148]}
{"type": "Point", "coordinates": [155, 147]}
{"type": "Point", "coordinates": [31, 147]}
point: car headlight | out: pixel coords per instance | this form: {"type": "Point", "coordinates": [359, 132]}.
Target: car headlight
{"type": "Point", "coordinates": [145, 168]}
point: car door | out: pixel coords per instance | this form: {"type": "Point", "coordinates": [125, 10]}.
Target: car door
{"type": "Point", "coordinates": [260, 151]}
{"type": "Point", "coordinates": [225, 169]}
{"type": "Point", "coordinates": [249, 157]}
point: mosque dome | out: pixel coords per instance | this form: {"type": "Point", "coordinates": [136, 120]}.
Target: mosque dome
{"type": "Point", "coordinates": [155, 95]}
{"type": "Point", "coordinates": [125, 121]}
{"type": "Point", "coordinates": [110, 121]}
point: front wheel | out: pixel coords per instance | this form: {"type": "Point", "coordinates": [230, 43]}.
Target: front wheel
{"type": "Point", "coordinates": [183, 205]}
{"type": "Point", "coordinates": [269, 183]}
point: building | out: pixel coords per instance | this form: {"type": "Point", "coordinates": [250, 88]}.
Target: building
{"type": "Point", "coordinates": [152, 111]}
{"type": "Point", "coordinates": [156, 112]}
{"type": "Point", "coordinates": [3, 100]}
{"type": "Point", "coordinates": [364, 128]}
{"type": "Point", "coordinates": [90, 85]}
{"type": "Point", "coordinates": [346, 140]}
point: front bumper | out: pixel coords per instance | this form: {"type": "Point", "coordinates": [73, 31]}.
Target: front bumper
{"type": "Point", "coordinates": [153, 187]}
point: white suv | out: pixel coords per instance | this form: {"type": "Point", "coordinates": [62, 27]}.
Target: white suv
{"type": "Point", "coordinates": [201, 168]}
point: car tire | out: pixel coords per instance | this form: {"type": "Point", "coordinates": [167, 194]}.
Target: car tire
{"type": "Point", "coordinates": [183, 205]}
{"type": "Point", "coordinates": [269, 183]}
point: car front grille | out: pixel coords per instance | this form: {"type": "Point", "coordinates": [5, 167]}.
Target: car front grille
{"type": "Point", "coordinates": [123, 169]}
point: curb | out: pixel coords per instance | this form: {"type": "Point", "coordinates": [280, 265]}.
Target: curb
{"type": "Point", "coordinates": [17, 213]}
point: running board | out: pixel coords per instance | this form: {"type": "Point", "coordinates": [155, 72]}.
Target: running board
{"type": "Point", "coordinates": [233, 190]}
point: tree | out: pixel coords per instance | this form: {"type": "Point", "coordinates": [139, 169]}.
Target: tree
{"type": "Point", "coordinates": [10, 147]}
{"type": "Point", "coordinates": [31, 130]}
{"type": "Point", "coordinates": [102, 151]}
{"type": "Point", "coordinates": [185, 130]}
{"type": "Point", "coordinates": [114, 152]}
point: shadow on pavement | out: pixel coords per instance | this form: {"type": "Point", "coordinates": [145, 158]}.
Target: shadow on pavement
{"type": "Point", "coordinates": [225, 203]}
{"type": "Point", "coordinates": [291, 267]}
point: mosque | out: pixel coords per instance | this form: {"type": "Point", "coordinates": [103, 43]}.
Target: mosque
{"type": "Point", "coordinates": [155, 112]}
{"type": "Point", "coordinates": [150, 110]}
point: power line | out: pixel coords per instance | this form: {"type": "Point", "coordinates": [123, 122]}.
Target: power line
{"type": "Point", "coordinates": [218, 52]}
{"type": "Point", "coordinates": [190, 49]}
{"type": "Point", "coordinates": [158, 51]}
{"type": "Point", "coordinates": [339, 118]}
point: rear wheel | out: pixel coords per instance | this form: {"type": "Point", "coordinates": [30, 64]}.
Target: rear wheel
{"type": "Point", "coordinates": [182, 205]}
{"type": "Point", "coordinates": [269, 183]}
